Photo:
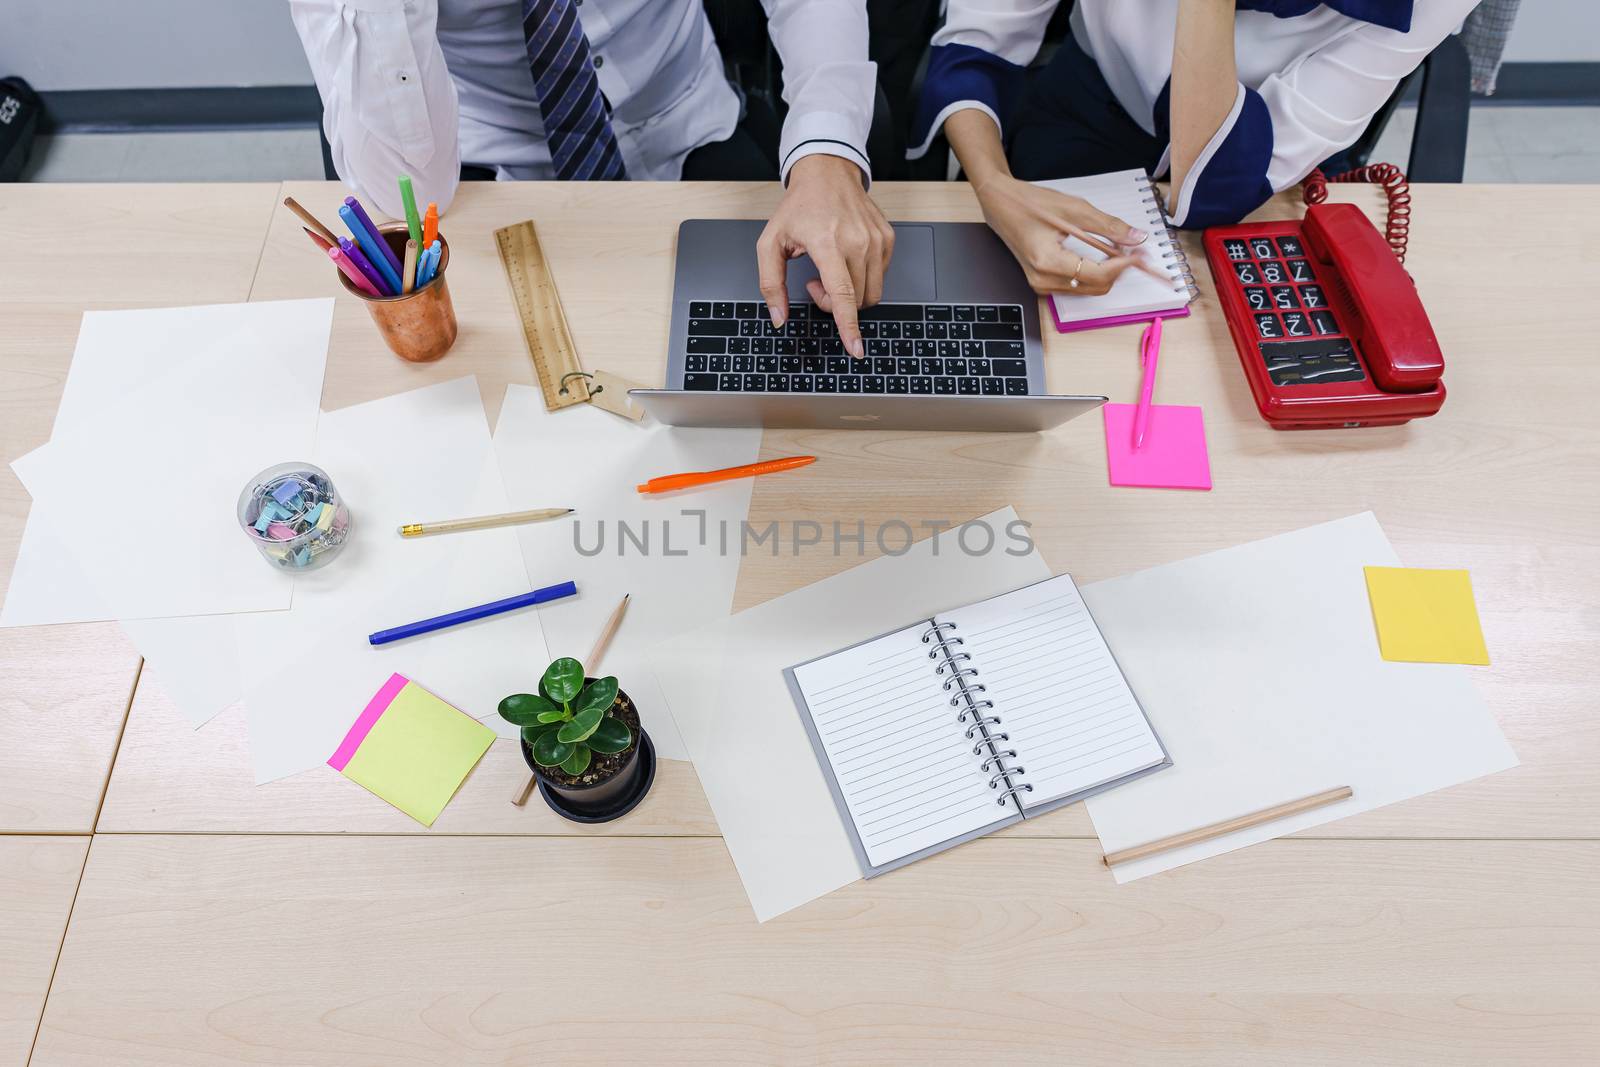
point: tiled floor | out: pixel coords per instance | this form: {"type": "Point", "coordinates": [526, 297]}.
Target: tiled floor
{"type": "Point", "coordinates": [1505, 144]}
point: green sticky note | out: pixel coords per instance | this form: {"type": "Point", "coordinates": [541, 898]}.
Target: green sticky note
{"type": "Point", "coordinates": [412, 749]}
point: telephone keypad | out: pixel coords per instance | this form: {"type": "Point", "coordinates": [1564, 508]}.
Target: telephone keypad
{"type": "Point", "coordinates": [1298, 334]}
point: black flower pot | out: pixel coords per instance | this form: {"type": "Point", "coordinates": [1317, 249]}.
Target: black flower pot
{"type": "Point", "coordinates": [611, 797]}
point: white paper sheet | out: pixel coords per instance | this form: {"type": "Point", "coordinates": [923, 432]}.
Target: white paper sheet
{"type": "Point", "coordinates": [309, 672]}
{"type": "Point", "coordinates": [194, 658]}
{"type": "Point", "coordinates": [590, 460]}
{"type": "Point", "coordinates": [739, 721]}
{"type": "Point", "coordinates": [135, 492]}
{"type": "Point", "coordinates": [1258, 666]}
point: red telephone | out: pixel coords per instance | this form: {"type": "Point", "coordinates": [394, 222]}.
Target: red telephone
{"type": "Point", "coordinates": [1325, 318]}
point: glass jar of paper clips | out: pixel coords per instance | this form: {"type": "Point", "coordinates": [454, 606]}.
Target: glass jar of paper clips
{"type": "Point", "coordinates": [295, 516]}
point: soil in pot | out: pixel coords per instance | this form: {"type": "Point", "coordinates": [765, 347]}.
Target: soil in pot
{"type": "Point", "coordinates": [603, 765]}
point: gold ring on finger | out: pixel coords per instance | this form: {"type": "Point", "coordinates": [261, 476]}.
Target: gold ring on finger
{"type": "Point", "coordinates": [1072, 282]}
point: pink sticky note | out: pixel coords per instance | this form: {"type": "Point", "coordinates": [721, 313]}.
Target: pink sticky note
{"type": "Point", "coordinates": [1174, 452]}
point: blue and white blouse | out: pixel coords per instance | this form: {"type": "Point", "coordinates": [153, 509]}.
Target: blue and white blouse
{"type": "Point", "coordinates": [1311, 76]}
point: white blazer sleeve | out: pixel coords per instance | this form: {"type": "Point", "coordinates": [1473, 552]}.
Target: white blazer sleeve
{"type": "Point", "coordinates": [389, 106]}
{"type": "Point", "coordinates": [828, 82]}
{"type": "Point", "coordinates": [977, 61]}
{"type": "Point", "coordinates": [1295, 119]}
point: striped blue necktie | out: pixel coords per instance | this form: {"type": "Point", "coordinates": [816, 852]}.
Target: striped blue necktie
{"type": "Point", "coordinates": [577, 119]}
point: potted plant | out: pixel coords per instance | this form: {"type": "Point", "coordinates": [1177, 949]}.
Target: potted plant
{"type": "Point", "coordinates": [582, 739]}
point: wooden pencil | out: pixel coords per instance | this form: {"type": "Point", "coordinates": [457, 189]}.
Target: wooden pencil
{"type": "Point", "coordinates": [316, 239]}
{"type": "Point", "coordinates": [408, 280]}
{"type": "Point", "coordinates": [607, 632]}
{"type": "Point", "coordinates": [1228, 826]}
{"type": "Point", "coordinates": [310, 220]}
{"type": "Point", "coordinates": [485, 522]}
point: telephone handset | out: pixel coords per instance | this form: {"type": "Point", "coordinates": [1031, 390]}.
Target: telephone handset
{"type": "Point", "coordinates": [1325, 319]}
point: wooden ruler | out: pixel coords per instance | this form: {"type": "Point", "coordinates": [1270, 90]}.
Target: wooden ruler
{"type": "Point", "coordinates": [544, 324]}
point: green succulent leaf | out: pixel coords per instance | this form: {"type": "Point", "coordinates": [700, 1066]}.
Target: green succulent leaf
{"type": "Point", "coordinates": [582, 725]}
{"type": "Point", "coordinates": [600, 693]}
{"type": "Point", "coordinates": [553, 715]}
{"type": "Point", "coordinates": [525, 709]}
{"type": "Point", "coordinates": [611, 735]}
{"type": "Point", "coordinates": [563, 679]}
{"type": "Point", "coordinates": [531, 734]}
{"type": "Point", "coordinates": [550, 751]}
{"type": "Point", "coordinates": [578, 762]}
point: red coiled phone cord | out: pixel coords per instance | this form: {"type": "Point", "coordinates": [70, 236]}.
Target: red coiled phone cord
{"type": "Point", "coordinates": [1395, 186]}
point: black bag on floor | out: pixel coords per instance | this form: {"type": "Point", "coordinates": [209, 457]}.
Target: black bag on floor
{"type": "Point", "coordinates": [19, 124]}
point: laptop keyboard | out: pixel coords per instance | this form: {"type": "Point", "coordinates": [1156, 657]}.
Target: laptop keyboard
{"type": "Point", "coordinates": [912, 349]}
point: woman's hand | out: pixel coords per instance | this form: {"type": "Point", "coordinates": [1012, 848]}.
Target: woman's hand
{"type": "Point", "coordinates": [1033, 221]}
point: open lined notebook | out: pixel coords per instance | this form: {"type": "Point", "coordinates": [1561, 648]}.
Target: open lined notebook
{"type": "Point", "coordinates": [961, 724]}
{"type": "Point", "coordinates": [1136, 296]}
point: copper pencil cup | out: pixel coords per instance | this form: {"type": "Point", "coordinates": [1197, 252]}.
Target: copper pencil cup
{"type": "Point", "coordinates": [419, 326]}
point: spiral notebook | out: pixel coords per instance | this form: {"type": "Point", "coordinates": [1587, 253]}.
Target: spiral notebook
{"type": "Point", "coordinates": [972, 720]}
{"type": "Point", "coordinates": [1136, 296]}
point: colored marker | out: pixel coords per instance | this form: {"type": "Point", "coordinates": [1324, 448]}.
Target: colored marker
{"type": "Point", "coordinates": [482, 611]}
{"type": "Point", "coordinates": [374, 247]}
{"type": "Point", "coordinates": [366, 220]}
{"type": "Point", "coordinates": [413, 220]}
{"type": "Point", "coordinates": [351, 272]}
{"type": "Point", "coordinates": [430, 224]}
{"type": "Point", "coordinates": [364, 265]}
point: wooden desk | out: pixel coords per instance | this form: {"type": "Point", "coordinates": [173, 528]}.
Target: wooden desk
{"type": "Point", "coordinates": [1457, 926]}
{"type": "Point", "coordinates": [64, 690]}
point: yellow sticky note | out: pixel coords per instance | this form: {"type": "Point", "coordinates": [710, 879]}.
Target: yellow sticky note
{"type": "Point", "coordinates": [1425, 616]}
{"type": "Point", "coordinates": [412, 749]}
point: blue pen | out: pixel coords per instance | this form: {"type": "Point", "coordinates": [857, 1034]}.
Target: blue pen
{"type": "Point", "coordinates": [370, 245]}
{"type": "Point", "coordinates": [434, 252]}
{"type": "Point", "coordinates": [425, 267]}
{"type": "Point", "coordinates": [482, 611]}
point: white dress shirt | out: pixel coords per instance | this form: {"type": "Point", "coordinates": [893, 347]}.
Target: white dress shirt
{"type": "Point", "coordinates": [420, 86]}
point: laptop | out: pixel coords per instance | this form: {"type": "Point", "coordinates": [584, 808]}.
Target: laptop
{"type": "Point", "coordinates": [954, 344]}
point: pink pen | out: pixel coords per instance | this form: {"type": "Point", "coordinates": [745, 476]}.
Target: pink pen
{"type": "Point", "coordinates": [352, 272]}
{"type": "Point", "coordinates": [1150, 352]}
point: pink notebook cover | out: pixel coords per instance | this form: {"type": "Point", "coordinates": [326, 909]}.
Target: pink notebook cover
{"type": "Point", "coordinates": [1113, 320]}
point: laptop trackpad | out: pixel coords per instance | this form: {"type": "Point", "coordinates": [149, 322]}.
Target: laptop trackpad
{"type": "Point", "coordinates": [910, 278]}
